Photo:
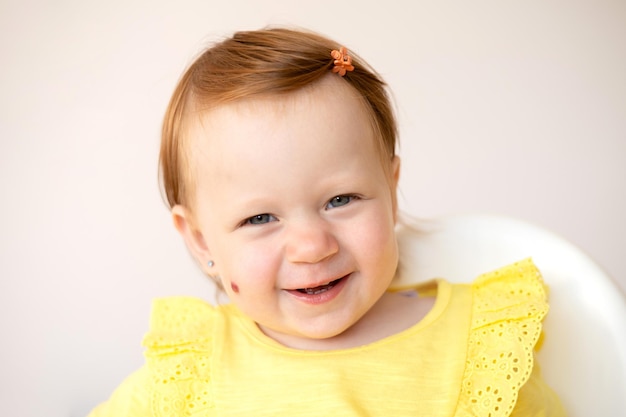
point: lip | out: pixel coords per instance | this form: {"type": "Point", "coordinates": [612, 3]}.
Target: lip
{"type": "Point", "coordinates": [322, 297]}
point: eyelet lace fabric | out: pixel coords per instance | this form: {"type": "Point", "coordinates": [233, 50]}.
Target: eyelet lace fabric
{"type": "Point", "coordinates": [179, 359]}
{"type": "Point", "coordinates": [509, 305]}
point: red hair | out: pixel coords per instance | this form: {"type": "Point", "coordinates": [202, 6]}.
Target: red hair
{"type": "Point", "coordinates": [255, 64]}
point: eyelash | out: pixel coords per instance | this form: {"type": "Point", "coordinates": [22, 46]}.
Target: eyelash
{"type": "Point", "coordinates": [251, 220]}
{"type": "Point", "coordinates": [265, 218]}
{"type": "Point", "coordinates": [350, 198]}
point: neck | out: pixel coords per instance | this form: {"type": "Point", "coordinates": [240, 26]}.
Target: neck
{"type": "Point", "coordinates": [392, 314]}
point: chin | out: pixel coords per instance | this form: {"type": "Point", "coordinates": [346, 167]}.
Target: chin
{"type": "Point", "coordinates": [326, 331]}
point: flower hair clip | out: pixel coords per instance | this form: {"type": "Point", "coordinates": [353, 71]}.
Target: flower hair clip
{"type": "Point", "coordinates": [342, 61]}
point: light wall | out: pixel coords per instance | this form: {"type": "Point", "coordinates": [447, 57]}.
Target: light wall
{"type": "Point", "coordinates": [515, 108]}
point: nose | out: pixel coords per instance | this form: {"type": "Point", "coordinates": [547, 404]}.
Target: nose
{"type": "Point", "coordinates": [310, 242]}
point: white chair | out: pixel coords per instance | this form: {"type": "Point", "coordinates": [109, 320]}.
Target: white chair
{"type": "Point", "coordinates": [584, 354]}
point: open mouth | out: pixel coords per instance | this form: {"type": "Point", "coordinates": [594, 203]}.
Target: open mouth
{"type": "Point", "coordinates": [322, 293]}
{"type": "Point", "coordinates": [320, 289]}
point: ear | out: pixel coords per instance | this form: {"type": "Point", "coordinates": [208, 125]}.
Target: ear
{"type": "Point", "coordinates": [395, 178]}
{"type": "Point", "coordinates": [395, 171]}
{"type": "Point", "coordinates": [183, 221]}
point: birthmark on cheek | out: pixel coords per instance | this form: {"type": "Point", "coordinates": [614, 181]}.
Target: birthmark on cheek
{"type": "Point", "coordinates": [234, 287]}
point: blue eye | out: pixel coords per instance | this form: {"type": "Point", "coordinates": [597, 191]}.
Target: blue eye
{"type": "Point", "coordinates": [260, 219]}
{"type": "Point", "coordinates": [340, 200]}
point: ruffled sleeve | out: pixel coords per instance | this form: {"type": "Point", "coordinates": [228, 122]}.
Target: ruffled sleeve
{"type": "Point", "coordinates": [178, 357]}
{"type": "Point", "coordinates": [508, 308]}
{"type": "Point", "coordinates": [176, 379]}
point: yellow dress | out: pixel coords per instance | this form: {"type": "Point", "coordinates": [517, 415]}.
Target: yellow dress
{"type": "Point", "coordinates": [472, 355]}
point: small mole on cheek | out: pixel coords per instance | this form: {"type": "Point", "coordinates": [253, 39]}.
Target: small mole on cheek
{"type": "Point", "coordinates": [234, 287]}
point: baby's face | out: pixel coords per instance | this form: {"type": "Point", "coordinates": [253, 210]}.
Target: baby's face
{"type": "Point", "coordinates": [295, 209]}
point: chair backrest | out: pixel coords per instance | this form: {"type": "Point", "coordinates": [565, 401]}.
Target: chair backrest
{"type": "Point", "coordinates": [584, 354]}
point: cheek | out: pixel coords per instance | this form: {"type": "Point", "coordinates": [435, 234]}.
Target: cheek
{"type": "Point", "coordinates": [376, 240]}
{"type": "Point", "coordinates": [252, 267]}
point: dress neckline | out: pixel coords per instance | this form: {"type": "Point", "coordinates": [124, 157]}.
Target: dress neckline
{"type": "Point", "coordinates": [439, 287]}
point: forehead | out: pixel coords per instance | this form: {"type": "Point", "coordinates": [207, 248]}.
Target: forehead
{"type": "Point", "coordinates": [282, 123]}
{"type": "Point", "coordinates": [329, 91]}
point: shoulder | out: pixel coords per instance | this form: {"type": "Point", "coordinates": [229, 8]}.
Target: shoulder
{"type": "Point", "coordinates": [182, 324]}
{"type": "Point", "coordinates": [179, 352]}
{"type": "Point", "coordinates": [508, 306]}
{"type": "Point", "coordinates": [514, 292]}
{"type": "Point", "coordinates": [179, 320]}
{"type": "Point", "coordinates": [176, 378]}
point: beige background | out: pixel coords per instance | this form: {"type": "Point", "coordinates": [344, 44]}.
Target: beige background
{"type": "Point", "coordinates": [515, 108]}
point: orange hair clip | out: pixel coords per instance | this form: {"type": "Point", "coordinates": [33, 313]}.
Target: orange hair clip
{"type": "Point", "coordinates": [342, 61]}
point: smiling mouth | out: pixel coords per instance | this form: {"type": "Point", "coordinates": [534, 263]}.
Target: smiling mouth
{"type": "Point", "coordinates": [320, 289]}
